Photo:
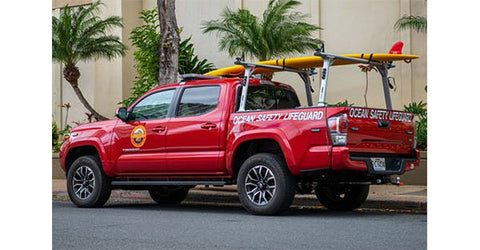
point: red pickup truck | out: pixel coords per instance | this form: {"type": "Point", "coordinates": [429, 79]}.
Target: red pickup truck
{"type": "Point", "coordinates": [201, 132]}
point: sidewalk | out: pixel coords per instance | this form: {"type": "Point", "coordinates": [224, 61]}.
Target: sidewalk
{"type": "Point", "coordinates": [390, 197]}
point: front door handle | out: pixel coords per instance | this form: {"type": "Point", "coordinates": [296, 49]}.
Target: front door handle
{"type": "Point", "coordinates": [208, 125]}
{"type": "Point", "coordinates": [158, 129]}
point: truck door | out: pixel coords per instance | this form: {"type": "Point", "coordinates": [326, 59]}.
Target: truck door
{"type": "Point", "coordinates": [193, 134]}
{"type": "Point", "coordinates": [139, 143]}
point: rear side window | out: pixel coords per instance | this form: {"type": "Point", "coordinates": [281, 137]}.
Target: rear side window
{"type": "Point", "coordinates": [286, 99]}
{"type": "Point", "coordinates": [260, 99]}
{"type": "Point", "coordinates": [269, 98]}
{"type": "Point", "coordinates": [198, 101]}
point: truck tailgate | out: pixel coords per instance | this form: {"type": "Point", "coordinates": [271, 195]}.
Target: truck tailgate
{"type": "Point", "coordinates": [379, 131]}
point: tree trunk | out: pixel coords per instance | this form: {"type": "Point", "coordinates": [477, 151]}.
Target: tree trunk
{"type": "Point", "coordinates": [169, 42]}
{"type": "Point", "coordinates": [72, 74]}
{"type": "Point", "coordinates": [85, 103]}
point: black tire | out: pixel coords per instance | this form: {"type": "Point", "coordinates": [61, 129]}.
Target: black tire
{"type": "Point", "coordinates": [87, 184]}
{"type": "Point", "coordinates": [342, 197]}
{"type": "Point", "coordinates": [258, 197]}
{"type": "Point", "coordinates": [168, 194]}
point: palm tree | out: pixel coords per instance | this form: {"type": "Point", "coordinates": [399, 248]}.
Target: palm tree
{"type": "Point", "coordinates": [279, 33]}
{"type": "Point", "coordinates": [78, 34]}
{"type": "Point", "coordinates": [417, 23]}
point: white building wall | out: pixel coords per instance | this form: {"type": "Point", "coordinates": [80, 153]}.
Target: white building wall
{"type": "Point", "coordinates": [349, 26]}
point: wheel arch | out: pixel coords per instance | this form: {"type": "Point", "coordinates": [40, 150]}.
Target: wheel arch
{"type": "Point", "coordinates": [79, 151]}
{"type": "Point", "coordinates": [253, 145]}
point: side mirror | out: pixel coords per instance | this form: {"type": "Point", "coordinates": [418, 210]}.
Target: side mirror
{"type": "Point", "coordinates": [121, 113]}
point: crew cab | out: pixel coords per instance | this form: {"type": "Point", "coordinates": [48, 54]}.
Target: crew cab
{"type": "Point", "coordinates": [249, 132]}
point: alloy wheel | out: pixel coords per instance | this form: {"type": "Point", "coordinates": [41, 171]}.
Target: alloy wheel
{"type": "Point", "coordinates": [83, 182]}
{"type": "Point", "coordinates": [260, 185]}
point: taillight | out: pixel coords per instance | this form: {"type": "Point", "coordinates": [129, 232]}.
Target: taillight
{"type": "Point", "coordinates": [338, 127]}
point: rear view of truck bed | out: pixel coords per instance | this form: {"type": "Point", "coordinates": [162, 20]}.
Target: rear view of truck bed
{"type": "Point", "coordinates": [378, 141]}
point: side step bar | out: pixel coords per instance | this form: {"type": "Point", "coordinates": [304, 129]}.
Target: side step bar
{"type": "Point", "coordinates": [170, 183]}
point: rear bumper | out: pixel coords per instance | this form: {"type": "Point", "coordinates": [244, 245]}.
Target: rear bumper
{"type": "Point", "coordinates": [343, 159]}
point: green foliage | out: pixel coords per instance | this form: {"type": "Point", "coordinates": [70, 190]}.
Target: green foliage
{"type": "Point", "coordinates": [147, 39]}
{"type": "Point", "coordinates": [419, 108]}
{"type": "Point", "coordinates": [341, 104]}
{"type": "Point", "coordinates": [417, 23]}
{"type": "Point", "coordinates": [66, 130]}
{"type": "Point", "coordinates": [55, 136]}
{"type": "Point", "coordinates": [188, 62]}
{"type": "Point", "coordinates": [279, 33]}
{"type": "Point", "coordinates": [420, 111]}
{"type": "Point", "coordinates": [78, 34]}
{"type": "Point", "coordinates": [421, 129]}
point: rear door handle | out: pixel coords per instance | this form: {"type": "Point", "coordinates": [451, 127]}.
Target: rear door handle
{"type": "Point", "coordinates": [208, 125]}
{"type": "Point", "coordinates": [158, 129]}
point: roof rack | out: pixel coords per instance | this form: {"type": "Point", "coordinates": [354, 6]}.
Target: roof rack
{"type": "Point", "coordinates": [193, 77]}
{"type": "Point", "coordinates": [250, 68]}
{"type": "Point", "coordinates": [328, 60]}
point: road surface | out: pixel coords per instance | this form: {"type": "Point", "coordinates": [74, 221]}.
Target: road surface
{"type": "Point", "coordinates": [145, 225]}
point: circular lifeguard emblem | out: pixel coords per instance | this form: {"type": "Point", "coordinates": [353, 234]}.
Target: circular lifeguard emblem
{"type": "Point", "coordinates": [138, 136]}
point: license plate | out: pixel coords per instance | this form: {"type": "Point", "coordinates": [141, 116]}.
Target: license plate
{"type": "Point", "coordinates": [378, 164]}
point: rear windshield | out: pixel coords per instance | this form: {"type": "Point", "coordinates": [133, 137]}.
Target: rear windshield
{"type": "Point", "coordinates": [268, 98]}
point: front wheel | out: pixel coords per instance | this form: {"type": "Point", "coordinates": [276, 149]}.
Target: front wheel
{"type": "Point", "coordinates": [87, 185]}
{"type": "Point", "coordinates": [265, 185]}
{"type": "Point", "coordinates": [342, 197]}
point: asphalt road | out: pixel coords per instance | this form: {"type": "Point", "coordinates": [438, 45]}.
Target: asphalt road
{"type": "Point", "coordinates": [188, 226]}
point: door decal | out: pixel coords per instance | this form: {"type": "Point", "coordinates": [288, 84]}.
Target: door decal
{"type": "Point", "coordinates": [138, 136]}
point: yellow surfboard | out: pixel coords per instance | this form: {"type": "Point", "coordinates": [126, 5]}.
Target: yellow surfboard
{"type": "Point", "coordinates": [309, 62]}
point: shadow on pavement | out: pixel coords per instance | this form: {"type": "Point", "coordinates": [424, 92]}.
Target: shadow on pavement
{"type": "Point", "coordinates": [203, 207]}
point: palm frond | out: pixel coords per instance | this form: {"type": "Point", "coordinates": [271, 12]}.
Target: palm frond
{"type": "Point", "coordinates": [107, 47]}
{"type": "Point", "coordinates": [417, 23]}
{"type": "Point", "coordinates": [237, 30]}
{"type": "Point", "coordinates": [79, 34]}
{"type": "Point", "coordinates": [280, 32]}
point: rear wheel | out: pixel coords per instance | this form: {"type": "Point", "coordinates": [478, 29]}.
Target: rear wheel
{"type": "Point", "coordinates": [169, 194]}
{"type": "Point", "coordinates": [265, 185]}
{"type": "Point", "coordinates": [87, 185]}
{"type": "Point", "coordinates": [342, 197]}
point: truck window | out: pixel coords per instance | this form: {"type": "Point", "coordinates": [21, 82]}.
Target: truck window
{"type": "Point", "coordinates": [154, 106]}
{"type": "Point", "coordinates": [286, 99]}
{"type": "Point", "coordinates": [268, 98]}
{"type": "Point", "coordinates": [198, 100]}
{"type": "Point", "coordinates": [259, 98]}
